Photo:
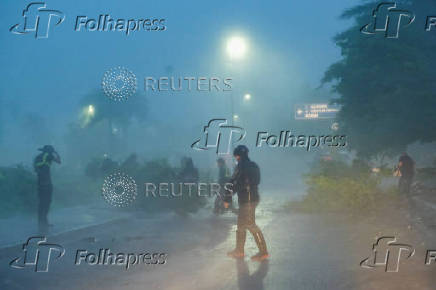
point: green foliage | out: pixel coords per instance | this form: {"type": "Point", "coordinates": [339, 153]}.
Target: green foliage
{"type": "Point", "coordinates": [72, 189]}
{"type": "Point", "coordinates": [100, 167]}
{"type": "Point", "coordinates": [17, 190]}
{"type": "Point", "coordinates": [386, 87]}
{"type": "Point", "coordinates": [426, 174]}
{"type": "Point", "coordinates": [337, 186]}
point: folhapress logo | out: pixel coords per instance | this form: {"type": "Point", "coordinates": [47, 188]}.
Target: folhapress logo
{"type": "Point", "coordinates": [388, 19]}
{"type": "Point", "coordinates": [386, 253]}
{"type": "Point", "coordinates": [37, 19]}
{"type": "Point", "coordinates": [38, 254]}
{"type": "Point", "coordinates": [219, 135]}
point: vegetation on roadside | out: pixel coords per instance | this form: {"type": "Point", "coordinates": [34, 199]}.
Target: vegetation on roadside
{"type": "Point", "coordinates": [17, 190]}
{"type": "Point", "coordinates": [335, 185]}
{"type": "Point", "coordinates": [18, 186]}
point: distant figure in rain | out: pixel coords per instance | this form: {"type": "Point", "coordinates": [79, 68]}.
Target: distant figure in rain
{"type": "Point", "coordinates": [224, 195]}
{"type": "Point", "coordinates": [130, 165]}
{"type": "Point", "coordinates": [406, 166]}
{"type": "Point", "coordinates": [108, 165]}
{"type": "Point", "coordinates": [42, 165]}
{"type": "Point", "coordinates": [188, 173]}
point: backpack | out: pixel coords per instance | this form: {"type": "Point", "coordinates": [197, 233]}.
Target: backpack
{"type": "Point", "coordinates": [254, 173]}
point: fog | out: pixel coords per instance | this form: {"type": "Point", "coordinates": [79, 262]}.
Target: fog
{"type": "Point", "coordinates": [287, 54]}
{"type": "Point", "coordinates": [130, 92]}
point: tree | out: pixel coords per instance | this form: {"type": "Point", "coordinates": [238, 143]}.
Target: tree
{"type": "Point", "coordinates": [386, 86]}
{"type": "Point", "coordinates": [103, 126]}
{"type": "Point", "coordinates": [96, 107]}
{"type": "Point", "coordinates": [1, 118]}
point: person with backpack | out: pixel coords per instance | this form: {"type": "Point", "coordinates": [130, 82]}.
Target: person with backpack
{"type": "Point", "coordinates": [245, 180]}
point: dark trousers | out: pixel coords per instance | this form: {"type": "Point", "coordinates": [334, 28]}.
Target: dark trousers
{"type": "Point", "coordinates": [404, 183]}
{"type": "Point", "coordinates": [44, 196]}
{"type": "Point", "coordinates": [247, 217]}
{"type": "Point", "coordinates": [247, 221]}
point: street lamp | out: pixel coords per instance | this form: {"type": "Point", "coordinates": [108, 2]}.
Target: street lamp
{"type": "Point", "coordinates": [236, 47]}
{"type": "Point", "coordinates": [91, 110]}
{"type": "Point", "coordinates": [86, 115]}
{"type": "Point", "coordinates": [247, 97]}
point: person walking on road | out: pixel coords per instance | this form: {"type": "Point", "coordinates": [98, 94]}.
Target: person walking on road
{"type": "Point", "coordinates": [245, 180]}
{"type": "Point", "coordinates": [406, 166]}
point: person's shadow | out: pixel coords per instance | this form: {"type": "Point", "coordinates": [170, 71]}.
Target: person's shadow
{"type": "Point", "coordinates": [253, 281]}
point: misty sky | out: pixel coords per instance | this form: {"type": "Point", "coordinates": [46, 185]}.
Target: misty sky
{"type": "Point", "coordinates": [290, 47]}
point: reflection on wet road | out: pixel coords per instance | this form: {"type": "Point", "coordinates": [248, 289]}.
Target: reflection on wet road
{"type": "Point", "coordinates": [307, 252]}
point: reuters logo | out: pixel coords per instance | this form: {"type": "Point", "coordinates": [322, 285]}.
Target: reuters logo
{"type": "Point", "coordinates": [119, 189]}
{"type": "Point", "coordinates": [119, 83]}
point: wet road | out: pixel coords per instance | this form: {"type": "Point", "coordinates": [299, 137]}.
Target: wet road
{"type": "Point", "coordinates": [307, 252]}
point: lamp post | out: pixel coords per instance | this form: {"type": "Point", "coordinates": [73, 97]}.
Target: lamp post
{"type": "Point", "coordinates": [236, 49]}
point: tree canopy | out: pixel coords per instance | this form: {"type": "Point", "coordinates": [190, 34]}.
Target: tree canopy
{"type": "Point", "coordinates": [386, 86]}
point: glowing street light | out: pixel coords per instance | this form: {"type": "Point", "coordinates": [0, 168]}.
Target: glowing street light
{"type": "Point", "coordinates": [247, 97]}
{"type": "Point", "coordinates": [236, 47]}
{"type": "Point", "coordinates": [86, 115]}
{"type": "Point", "coordinates": [91, 110]}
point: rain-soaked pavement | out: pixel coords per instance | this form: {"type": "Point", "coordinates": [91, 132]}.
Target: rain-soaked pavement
{"type": "Point", "coordinates": [308, 251]}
